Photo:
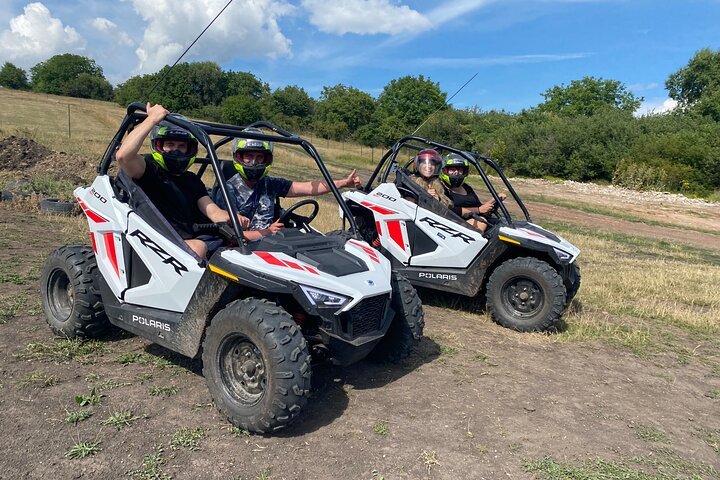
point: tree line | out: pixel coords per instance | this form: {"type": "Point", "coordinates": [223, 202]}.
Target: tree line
{"type": "Point", "coordinates": [583, 131]}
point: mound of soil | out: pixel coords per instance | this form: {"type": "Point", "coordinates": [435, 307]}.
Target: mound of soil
{"type": "Point", "coordinates": [24, 158]}
{"type": "Point", "coordinates": [21, 153]}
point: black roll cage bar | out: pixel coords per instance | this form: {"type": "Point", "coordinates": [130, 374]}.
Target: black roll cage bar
{"type": "Point", "coordinates": [390, 157]}
{"type": "Point", "coordinates": [136, 113]}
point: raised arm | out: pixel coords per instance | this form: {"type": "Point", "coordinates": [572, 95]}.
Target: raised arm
{"type": "Point", "coordinates": [128, 156]}
{"type": "Point", "coordinates": [317, 187]}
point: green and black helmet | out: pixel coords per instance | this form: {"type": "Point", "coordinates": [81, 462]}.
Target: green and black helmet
{"type": "Point", "coordinates": [256, 169]}
{"type": "Point", "coordinates": [453, 160]}
{"type": "Point", "coordinates": [174, 162]}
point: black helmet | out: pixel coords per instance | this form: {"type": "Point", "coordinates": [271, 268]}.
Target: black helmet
{"type": "Point", "coordinates": [256, 170]}
{"type": "Point", "coordinates": [457, 161]}
{"type": "Point", "coordinates": [174, 162]}
{"type": "Point", "coordinates": [431, 157]}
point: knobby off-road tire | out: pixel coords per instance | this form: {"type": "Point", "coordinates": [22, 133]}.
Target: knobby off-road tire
{"type": "Point", "coordinates": [256, 365]}
{"type": "Point", "coordinates": [70, 291]}
{"type": "Point", "coordinates": [526, 294]}
{"type": "Point", "coordinates": [572, 288]}
{"type": "Point", "coordinates": [407, 326]}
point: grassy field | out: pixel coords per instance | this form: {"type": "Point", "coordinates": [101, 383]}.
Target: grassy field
{"type": "Point", "coordinates": [632, 288]}
{"type": "Point", "coordinates": [646, 300]}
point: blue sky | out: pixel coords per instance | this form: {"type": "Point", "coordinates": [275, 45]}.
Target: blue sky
{"type": "Point", "coordinates": [518, 48]}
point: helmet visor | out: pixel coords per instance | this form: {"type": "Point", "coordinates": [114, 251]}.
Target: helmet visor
{"type": "Point", "coordinates": [252, 158]}
{"type": "Point", "coordinates": [428, 166]}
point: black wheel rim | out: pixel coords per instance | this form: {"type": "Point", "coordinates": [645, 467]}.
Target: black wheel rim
{"type": "Point", "coordinates": [61, 295]}
{"type": "Point", "coordinates": [522, 297]}
{"type": "Point", "coordinates": [243, 370]}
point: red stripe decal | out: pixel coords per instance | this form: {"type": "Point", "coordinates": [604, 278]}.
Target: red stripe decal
{"type": "Point", "coordinates": [109, 241]}
{"type": "Point", "coordinates": [378, 225]}
{"type": "Point", "coordinates": [375, 208]}
{"type": "Point", "coordinates": [94, 245]}
{"type": "Point", "coordinates": [396, 233]}
{"type": "Point", "coordinates": [292, 265]}
{"type": "Point", "coordinates": [269, 258]}
{"type": "Point", "coordinates": [531, 233]}
{"type": "Point", "coordinates": [90, 214]}
{"type": "Point", "coordinates": [311, 270]}
{"type": "Point", "coordinates": [369, 251]}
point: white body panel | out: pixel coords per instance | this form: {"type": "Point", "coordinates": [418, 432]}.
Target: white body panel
{"type": "Point", "coordinates": [172, 269]}
{"type": "Point", "coordinates": [174, 273]}
{"type": "Point", "coordinates": [563, 245]}
{"type": "Point", "coordinates": [457, 245]}
{"type": "Point", "coordinates": [107, 220]}
{"type": "Point", "coordinates": [357, 286]}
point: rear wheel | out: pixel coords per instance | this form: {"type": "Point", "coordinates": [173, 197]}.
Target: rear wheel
{"type": "Point", "coordinates": [257, 366]}
{"type": "Point", "coordinates": [407, 326]}
{"type": "Point", "coordinates": [526, 294]}
{"type": "Point", "coordinates": [70, 290]}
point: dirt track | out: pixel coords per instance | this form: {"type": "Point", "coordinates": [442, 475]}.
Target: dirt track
{"type": "Point", "coordinates": [476, 401]}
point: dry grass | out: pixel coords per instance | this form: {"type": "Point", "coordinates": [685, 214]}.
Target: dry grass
{"type": "Point", "coordinates": [635, 293]}
{"type": "Point", "coordinates": [44, 118]}
{"type": "Point", "coordinates": [643, 295]}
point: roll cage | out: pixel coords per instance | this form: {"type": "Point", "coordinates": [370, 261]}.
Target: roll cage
{"type": "Point", "coordinates": [136, 113]}
{"type": "Point", "coordinates": [388, 164]}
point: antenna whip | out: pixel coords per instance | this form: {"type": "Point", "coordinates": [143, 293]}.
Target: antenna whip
{"type": "Point", "coordinates": [446, 102]}
{"type": "Point", "coordinates": [188, 48]}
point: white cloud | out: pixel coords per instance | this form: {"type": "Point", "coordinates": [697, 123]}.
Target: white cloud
{"type": "Point", "coordinates": [656, 106]}
{"type": "Point", "coordinates": [641, 87]}
{"type": "Point", "coordinates": [452, 9]}
{"type": "Point", "coordinates": [505, 60]}
{"type": "Point", "coordinates": [107, 27]}
{"type": "Point", "coordinates": [364, 17]}
{"type": "Point", "coordinates": [247, 28]}
{"type": "Point", "coordinates": [35, 36]}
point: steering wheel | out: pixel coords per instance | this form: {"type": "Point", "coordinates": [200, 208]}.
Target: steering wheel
{"type": "Point", "coordinates": [300, 220]}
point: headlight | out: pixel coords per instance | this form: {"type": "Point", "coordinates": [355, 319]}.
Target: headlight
{"type": "Point", "coordinates": [562, 255]}
{"type": "Point", "coordinates": [323, 298]}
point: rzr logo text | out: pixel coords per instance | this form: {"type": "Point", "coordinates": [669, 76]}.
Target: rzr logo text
{"type": "Point", "coordinates": [449, 230]}
{"type": "Point", "coordinates": [167, 258]}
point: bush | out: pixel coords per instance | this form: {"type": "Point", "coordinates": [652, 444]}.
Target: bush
{"type": "Point", "coordinates": [637, 176]}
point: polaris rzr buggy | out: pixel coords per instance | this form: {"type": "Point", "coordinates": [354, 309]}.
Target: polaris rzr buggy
{"type": "Point", "coordinates": [254, 313]}
{"type": "Point", "coordinates": [528, 274]}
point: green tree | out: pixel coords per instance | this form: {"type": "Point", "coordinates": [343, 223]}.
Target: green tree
{"type": "Point", "coordinates": [240, 110]}
{"type": "Point", "coordinates": [696, 87]}
{"type": "Point", "coordinates": [290, 107]}
{"type": "Point", "coordinates": [587, 96]}
{"type": "Point", "coordinates": [135, 89]}
{"type": "Point", "coordinates": [341, 111]}
{"type": "Point", "coordinates": [187, 88]}
{"type": "Point", "coordinates": [13, 77]}
{"type": "Point", "coordinates": [58, 74]}
{"type": "Point", "coordinates": [404, 104]}
{"type": "Point", "coordinates": [90, 86]}
{"type": "Point", "coordinates": [245, 83]}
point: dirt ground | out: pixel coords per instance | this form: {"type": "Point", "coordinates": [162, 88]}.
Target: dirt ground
{"type": "Point", "coordinates": [475, 401]}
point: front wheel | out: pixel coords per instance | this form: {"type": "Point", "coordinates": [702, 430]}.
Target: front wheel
{"type": "Point", "coordinates": [526, 294]}
{"type": "Point", "coordinates": [70, 291]}
{"type": "Point", "coordinates": [257, 366]}
{"type": "Point", "coordinates": [407, 326]}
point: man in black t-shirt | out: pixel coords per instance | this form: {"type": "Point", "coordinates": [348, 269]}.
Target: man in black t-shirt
{"type": "Point", "coordinates": [177, 193]}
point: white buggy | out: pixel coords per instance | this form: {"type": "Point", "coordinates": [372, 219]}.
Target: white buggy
{"type": "Point", "coordinates": [254, 313]}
